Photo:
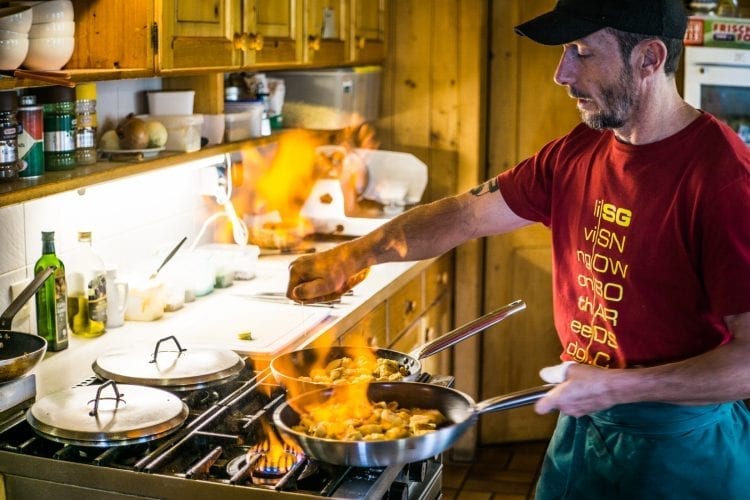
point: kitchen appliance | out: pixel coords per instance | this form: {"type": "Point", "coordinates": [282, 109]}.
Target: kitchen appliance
{"type": "Point", "coordinates": [362, 190]}
{"type": "Point", "coordinates": [223, 450]}
{"type": "Point", "coordinates": [717, 80]}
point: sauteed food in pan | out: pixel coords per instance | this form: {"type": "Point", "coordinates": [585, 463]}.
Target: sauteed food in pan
{"type": "Point", "coordinates": [348, 370]}
{"type": "Point", "coordinates": [368, 421]}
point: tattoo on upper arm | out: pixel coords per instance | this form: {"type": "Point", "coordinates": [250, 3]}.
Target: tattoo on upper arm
{"type": "Point", "coordinates": [490, 186]}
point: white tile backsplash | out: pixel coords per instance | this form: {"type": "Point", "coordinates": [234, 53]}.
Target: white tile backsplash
{"type": "Point", "coordinates": [12, 250]}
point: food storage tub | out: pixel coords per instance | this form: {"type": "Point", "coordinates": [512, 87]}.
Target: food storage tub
{"type": "Point", "coordinates": [254, 112]}
{"type": "Point", "coordinates": [237, 126]}
{"type": "Point", "coordinates": [146, 301]}
{"type": "Point", "coordinates": [171, 102]}
{"type": "Point", "coordinates": [184, 132]}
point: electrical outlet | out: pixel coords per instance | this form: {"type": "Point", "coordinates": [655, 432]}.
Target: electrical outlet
{"type": "Point", "coordinates": [25, 312]}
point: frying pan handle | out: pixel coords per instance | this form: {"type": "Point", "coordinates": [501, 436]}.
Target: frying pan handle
{"type": "Point", "coordinates": [514, 399]}
{"type": "Point", "coordinates": [463, 332]}
{"type": "Point", "coordinates": [6, 319]}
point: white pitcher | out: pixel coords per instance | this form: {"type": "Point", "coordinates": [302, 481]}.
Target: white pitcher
{"type": "Point", "coordinates": [117, 299]}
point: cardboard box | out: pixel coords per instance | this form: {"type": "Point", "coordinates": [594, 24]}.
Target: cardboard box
{"type": "Point", "coordinates": [713, 31]}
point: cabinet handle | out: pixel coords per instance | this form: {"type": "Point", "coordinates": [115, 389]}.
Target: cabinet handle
{"type": "Point", "coordinates": [360, 41]}
{"type": "Point", "coordinates": [443, 278]}
{"type": "Point", "coordinates": [313, 42]}
{"type": "Point", "coordinates": [248, 41]}
{"type": "Point", "coordinates": [410, 307]}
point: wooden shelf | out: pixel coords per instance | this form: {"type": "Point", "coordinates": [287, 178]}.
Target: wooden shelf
{"type": "Point", "coordinates": [50, 183]}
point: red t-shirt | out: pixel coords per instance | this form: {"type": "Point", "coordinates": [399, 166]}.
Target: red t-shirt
{"type": "Point", "coordinates": [651, 243]}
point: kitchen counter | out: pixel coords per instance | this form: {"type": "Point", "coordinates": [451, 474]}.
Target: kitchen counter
{"type": "Point", "coordinates": [217, 319]}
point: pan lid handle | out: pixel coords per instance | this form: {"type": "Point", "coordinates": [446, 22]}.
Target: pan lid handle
{"type": "Point", "coordinates": [465, 331]}
{"type": "Point", "coordinates": [6, 319]}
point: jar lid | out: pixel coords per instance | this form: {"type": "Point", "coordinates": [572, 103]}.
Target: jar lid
{"type": "Point", "coordinates": [86, 91]}
{"type": "Point", "coordinates": [8, 101]}
{"type": "Point", "coordinates": [55, 94]}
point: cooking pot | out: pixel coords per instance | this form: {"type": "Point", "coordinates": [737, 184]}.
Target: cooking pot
{"type": "Point", "coordinates": [287, 368]}
{"type": "Point", "coordinates": [20, 352]}
{"type": "Point", "coordinates": [460, 410]}
{"type": "Point", "coordinates": [170, 367]}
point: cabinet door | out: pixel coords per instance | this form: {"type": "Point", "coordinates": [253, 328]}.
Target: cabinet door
{"type": "Point", "coordinates": [275, 23]}
{"type": "Point", "coordinates": [369, 331]}
{"type": "Point", "coordinates": [325, 31]}
{"type": "Point", "coordinates": [199, 35]}
{"type": "Point", "coordinates": [404, 308]}
{"type": "Point", "coordinates": [114, 36]}
{"type": "Point", "coordinates": [368, 31]}
{"type": "Point", "coordinates": [436, 322]}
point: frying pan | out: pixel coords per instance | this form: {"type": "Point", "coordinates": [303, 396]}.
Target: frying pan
{"type": "Point", "coordinates": [20, 352]}
{"type": "Point", "coordinates": [287, 368]}
{"type": "Point", "coordinates": [459, 408]}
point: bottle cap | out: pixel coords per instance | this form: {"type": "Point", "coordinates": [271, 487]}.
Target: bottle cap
{"type": "Point", "coordinates": [55, 94]}
{"type": "Point", "coordinates": [48, 235]}
{"type": "Point", "coordinates": [86, 91]}
{"type": "Point", "coordinates": [8, 101]}
{"type": "Point", "coordinates": [84, 235]}
{"type": "Point", "coordinates": [27, 100]}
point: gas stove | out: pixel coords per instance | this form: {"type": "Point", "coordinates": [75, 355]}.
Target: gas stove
{"type": "Point", "coordinates": [223, 449]}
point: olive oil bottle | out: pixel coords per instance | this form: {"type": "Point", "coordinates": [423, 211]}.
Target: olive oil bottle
{"type": "Point", "coordinates": [51, 315]}
{"type": "Point", "coordinates": [87, 290]}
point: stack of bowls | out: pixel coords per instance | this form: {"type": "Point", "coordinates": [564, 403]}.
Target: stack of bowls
{"type": "Point", "coordinates": [51, 35]}
{"type": "Point", "coordinates": [15, 22]}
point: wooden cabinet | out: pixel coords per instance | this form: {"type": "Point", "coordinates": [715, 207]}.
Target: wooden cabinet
{"type": "Point", "coordinates": [326, 31]}
{"type": "Point", "coordinates": [368, 19]}
{"type": "Point", "coordinates": [198, 35]}
{"type": "Point", "coordinates": [417, 312]}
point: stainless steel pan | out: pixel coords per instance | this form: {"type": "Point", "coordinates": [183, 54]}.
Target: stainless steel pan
{"type": "Point", "coordinates": [287, 368]}
{"type": "Point", "coordinates": [20, 352]}
{"type": "Point", "coordinates": [460, 409]}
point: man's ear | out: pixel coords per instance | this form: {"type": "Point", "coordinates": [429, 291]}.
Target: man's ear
{"type": "Point", "coordinates": [652, 54]}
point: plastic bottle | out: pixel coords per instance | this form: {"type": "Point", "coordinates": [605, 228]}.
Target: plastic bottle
{"type": "Point", "coordinates": [86, 123]}
{"type": "Point", "coordinates": [51, 309]}
{"type": "Point", "coordinates": [87, 290]}
{"type": "Point", "coordinates": [8, 136]}
{"type": "Point", "coordinates": [59, 127]}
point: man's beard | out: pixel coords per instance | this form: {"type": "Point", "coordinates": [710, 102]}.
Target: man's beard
{"type": "Point", "coordinates": [618, 101]}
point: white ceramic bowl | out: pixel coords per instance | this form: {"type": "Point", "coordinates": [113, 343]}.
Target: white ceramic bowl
{"type": "Point", "coordinates": [13, 52]}
{"type": "Point", "coordinates": [15, 18]}
{"type": "Point", "coordinates": [50, 11]}
{"type": "Point", "coordinates": [9, 35]}
{"type": "Point", "coordinates": [49, 53]}
{"type": "Point", "coordinates": [58, 29]}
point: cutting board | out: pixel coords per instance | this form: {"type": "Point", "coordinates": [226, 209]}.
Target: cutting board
{"type": "Point", "coordinates": [273, 327]}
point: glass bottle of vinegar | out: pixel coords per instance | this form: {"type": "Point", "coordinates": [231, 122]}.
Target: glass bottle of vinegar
{"type": "Point", "coordinates": [51, 320]}
{"type": "Point", "coordinates": [87, 290]}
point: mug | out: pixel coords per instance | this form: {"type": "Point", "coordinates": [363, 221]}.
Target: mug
{"type": "Point", "coordinates": [117, 300]}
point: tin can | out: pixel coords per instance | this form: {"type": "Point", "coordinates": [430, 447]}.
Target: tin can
{"type": "Point", "coordinates": [31, 138]}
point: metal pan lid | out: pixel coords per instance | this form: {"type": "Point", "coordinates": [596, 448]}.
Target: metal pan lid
{"type": "Point", "coordinates": [107, 415]}
{"type": "Point", "coordinates": [171, 367]}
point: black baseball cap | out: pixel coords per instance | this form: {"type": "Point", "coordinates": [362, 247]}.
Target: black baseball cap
{"type": "Point", "coordinates": [574, 19]}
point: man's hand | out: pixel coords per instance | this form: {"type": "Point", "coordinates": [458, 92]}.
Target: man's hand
{"type": "Point", "coordinates": [584, 391]}
{"type": "Point", "coordinates": [322, 277]}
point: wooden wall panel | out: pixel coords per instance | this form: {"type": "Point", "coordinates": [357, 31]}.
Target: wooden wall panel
{"type": "Point", "coordinates": [526, 111]}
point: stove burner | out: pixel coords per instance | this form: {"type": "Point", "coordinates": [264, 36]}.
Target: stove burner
{"type": "Point", "coordinates": [269, 470]}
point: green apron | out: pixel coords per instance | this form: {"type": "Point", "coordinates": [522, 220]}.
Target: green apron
{"type": "Point", "coordinates": [650, 451]}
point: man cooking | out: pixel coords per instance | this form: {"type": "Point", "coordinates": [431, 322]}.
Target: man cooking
{"type": "Point", "coordinates": [648, 203]}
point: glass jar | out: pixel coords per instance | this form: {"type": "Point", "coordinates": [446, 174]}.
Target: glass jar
{"type": "Point", "coordinates": [86, 123]}
{"type": "Point", "coordinates": [59, 127]}
{"type": "Point", "coordinates": [8, 136]}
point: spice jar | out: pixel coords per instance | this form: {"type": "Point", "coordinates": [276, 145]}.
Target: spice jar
{"type": "Point", "coordinates": [8, 136]}
{"type": "Point", "coordinates": [59, 127]}
{"type": "Point", "coordinates": [86, 123]}
{"type": "Point", "coordinates": [31, 137]}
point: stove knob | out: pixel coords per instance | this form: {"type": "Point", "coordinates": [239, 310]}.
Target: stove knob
{"type": "Point", "coordinates": [398, 491]}
{"type": "Point", "coordinates": [416, 471]}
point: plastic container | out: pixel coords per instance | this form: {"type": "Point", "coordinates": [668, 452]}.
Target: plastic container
{"type": "Point", "coordinates": [171, 102]}
{"type": "Point", "coordinates": [237, 126]}
{"type": "Point", "coordinates": [86, 123]}
{"type": "Point", "coordinates": [184, 132]}
{"type": "Point", "coordinates": [255, 111]}
{"type": "Point", "coordinates": [213, 128]}
{"type": "Point", "coordinates": [146, 301]}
